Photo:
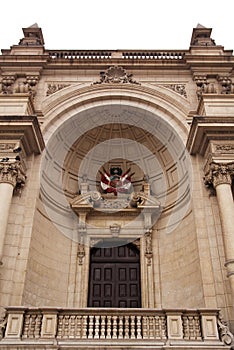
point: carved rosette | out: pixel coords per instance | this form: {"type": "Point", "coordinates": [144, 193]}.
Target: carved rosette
{"type": "Point", "coordinates": [219, 173]}
{"type": "Point", "coordinates": [12, 173]}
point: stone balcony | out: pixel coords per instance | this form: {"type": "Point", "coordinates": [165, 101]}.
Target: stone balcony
{"type": "Point", "coordinates": [103, 328]}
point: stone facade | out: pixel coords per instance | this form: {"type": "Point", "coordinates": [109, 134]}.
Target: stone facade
{"type": "Point", "coordinates": [116, 148]}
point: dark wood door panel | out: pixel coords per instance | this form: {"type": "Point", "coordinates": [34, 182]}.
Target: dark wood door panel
{"type": "Point", "coordinates": [114, 277]}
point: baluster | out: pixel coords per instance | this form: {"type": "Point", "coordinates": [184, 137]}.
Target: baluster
{"type": "Point", "coordinates": [145, 327]}
{"type": "Point", "coordinates": [151, 327]}
{"type": "Point", "coordinates": [26, 326]}
{"type": "Point", "coordinates": [66, 326]}
{"type": "Point", "coordinates": [120, 327]}
{"type": "Point", "coordinates": [126, 328]}
{"type": "Point", "coordinates": [186, 327]}
{"type": "Point", "coordinates": [197, 327]}
{"type": "Point", "coordinates": [84, 327]}
{"type": "Point", "coordinates": [133, 328]}
{"type": "Point", "coordinates": [38, 326]}
{"type": "Point", "coordinates": [103, 327]}
{"type": "Point", "coordinates": [78, 327]}
{"type": "Point", "coordinates": [90, 336]}
{"type": "Point", "coordinates": [60, 327]}
{"type": "Point", "coordinates": [72, 327]}
{"type": "Point", "coordinates": [32, 324]}
{"type": "Point", "coordinates": [163, 330]}
{"type": "Point", "coordinates": [108, 331]}
{"type": "Point", "coordinates": [191, 328]}
{"type": "Point", "coordinates": [114, 335]}
{"type": "Point", "coordinates": [139, 336]}
{"type": "Point", "coordinates": [97, 326]}
{"type": "Point", "coordinates": [157, 328]}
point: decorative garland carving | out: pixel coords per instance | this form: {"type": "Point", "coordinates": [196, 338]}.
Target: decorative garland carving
{"type": "Point", "coordinates": [80, 253]}
{"type": "Point", "coordinates": [219, 173]}
{"type": "Point", "coordinates": [179, 88]}
{"type": "Point", "coordinates": [116, 75]}
{"type": "Point", "coordinates": [52, 88]}
{"type": "Point", "coordinates": [148, 247]}
{"type": "Point", "coordinates": [12, 173]}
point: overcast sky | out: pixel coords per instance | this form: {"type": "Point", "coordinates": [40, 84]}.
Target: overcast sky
{"type": "Point", "coordinates": [117, 24]}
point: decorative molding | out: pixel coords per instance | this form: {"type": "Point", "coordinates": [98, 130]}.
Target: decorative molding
{"type": "Point", "coordinates": [52, 88]}
{"type": "Point", "coordinates": [179, 88]}
{"type": "Point", "coordinates": [116, 75]}
{"type": "Point", "coordinates": [12, 173]}
{"type": "Point", "coordinates": [219, 173]}
{"type": "Point", "coordinates": [7, 146]}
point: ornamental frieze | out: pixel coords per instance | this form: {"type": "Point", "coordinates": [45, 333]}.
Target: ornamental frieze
{"type": "Point", "coordinates": [224, 148]}
{"type": "Point", "coordinates": [116, 75]}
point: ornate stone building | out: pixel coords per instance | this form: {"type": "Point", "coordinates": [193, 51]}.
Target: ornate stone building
{"type": "Point", "coordinates": [116, 197]}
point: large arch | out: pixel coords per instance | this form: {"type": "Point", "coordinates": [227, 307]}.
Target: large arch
{"type": "Point", "coordinates": [149, 134]}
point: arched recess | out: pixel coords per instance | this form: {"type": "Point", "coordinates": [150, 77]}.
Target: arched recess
{"type": "Point", "coordinates": [147, 130]}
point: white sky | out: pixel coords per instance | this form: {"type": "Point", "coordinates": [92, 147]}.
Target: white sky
{"type": "Point", "coordinates": [117, 24]}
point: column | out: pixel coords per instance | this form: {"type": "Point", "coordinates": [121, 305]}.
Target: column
{"type": "Point", "coordinates": [11, 176]}
{"type": "Point", "coordinates": [220, 176]}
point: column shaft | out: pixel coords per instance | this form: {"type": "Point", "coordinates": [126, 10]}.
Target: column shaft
{"type": "Point", "coordinates": [226, 209]}
{"type": "Point", "coordinates": [6, 191]}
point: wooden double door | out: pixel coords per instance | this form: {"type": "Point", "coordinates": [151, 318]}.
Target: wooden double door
{"type": "Point", "coordinates": [115, 277]}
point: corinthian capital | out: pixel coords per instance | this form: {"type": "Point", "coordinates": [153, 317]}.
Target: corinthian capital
{"type": "Point", "coordinates": [219, 173]}
{"type": "Point", "coordinates": [13, 173]}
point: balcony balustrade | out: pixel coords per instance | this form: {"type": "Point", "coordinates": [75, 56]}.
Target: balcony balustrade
{"type": "Point", "coordinates": [107, 55]}
{"type": "Point", "coordinates": [33, 328]}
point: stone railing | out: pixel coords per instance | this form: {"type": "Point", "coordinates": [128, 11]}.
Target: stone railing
{"type": "Point", "coordinates": [127, 55]}
{"type": "Point", "coordinates": [28, 326]}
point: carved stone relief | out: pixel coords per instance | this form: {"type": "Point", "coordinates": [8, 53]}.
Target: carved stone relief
{"type": "Point", "coordinates": [116, 75]}
{"type": "Point", "coordinates": [179, 88]}
{"type": "Point", "coordinates": [53, 87]}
